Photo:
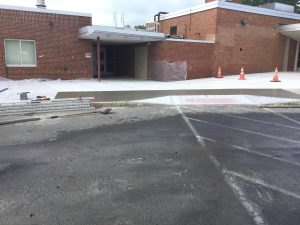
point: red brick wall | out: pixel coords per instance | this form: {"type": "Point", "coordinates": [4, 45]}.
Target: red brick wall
{"type": "Point", "coordinates": [261, 44]}
{"type": "Point", "coordinates": [257, 45]}
{"type": "Point", "coordinates": [208, 1]}
{"type": "Point", "coordinates": [198, 26]}
{"type": "Point", "coordinates": [60, 53]}
{"type": "Point", "coordinates": [197, 55]}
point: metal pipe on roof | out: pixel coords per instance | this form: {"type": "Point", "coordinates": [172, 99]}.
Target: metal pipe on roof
{"type": "Point", "coordinates": [158, 16]}
{"type": "Point", "coordinates": [41, 4]}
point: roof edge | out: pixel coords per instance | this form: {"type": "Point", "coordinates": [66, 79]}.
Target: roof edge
{"type": "Point", "coordinates": [50, 11]}
{"type": "Point", "coordinates": [191, 41]}
{"type": "Point", "coordinates": [231, 6]}
{"type": "Point", "coordinates": [290, 27]}
{"type": "Point", "coordinates": [86, 31]}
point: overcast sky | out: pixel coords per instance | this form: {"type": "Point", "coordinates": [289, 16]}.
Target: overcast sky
{"type": "Point", "coordinates": [136, 11]}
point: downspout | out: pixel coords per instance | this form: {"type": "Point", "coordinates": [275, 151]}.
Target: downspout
{"type": "Point", "coordinates": [215, 55]}
{"type": "Point", "coordinates": [98, 59]}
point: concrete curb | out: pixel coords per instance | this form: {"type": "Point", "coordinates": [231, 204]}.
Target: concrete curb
{"type": "Point", "coordinates": [128, 104]}
{"type": "Point", "coordinates": [281, 105]}
{"type": "Point", "coordinates": [96, 104]}
{"type": "Point", "coordinates": [19, 121]}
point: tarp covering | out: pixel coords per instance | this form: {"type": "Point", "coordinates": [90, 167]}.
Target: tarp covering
{"type": "Point", "coordinates": [166, 71]}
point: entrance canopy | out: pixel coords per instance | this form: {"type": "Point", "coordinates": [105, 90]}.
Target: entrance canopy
{"type": "Point", "coordinates": [291, 31]}
{"type": "Point", "coordinates": [113, 35]}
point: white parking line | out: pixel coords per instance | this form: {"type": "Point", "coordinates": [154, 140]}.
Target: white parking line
{"type": "Point", "coordinates": [251, 208]}
{"type": "Point", "coordinates": [199, 138]}
{"type": "Point", "coordinates": [252, 151]}
{"type": "Point", "coordinates": [261, 121]}
{"type": "Point", "coordinates": [283, 116]}
{"type": "Point", "coordinates": [249, 119]}
{"type": "Point", "coordinates": [244, 130]}
{"type": "Point", "coordinates": [247, 149]}
{"type": "Point", "coordinates": [262, 183]}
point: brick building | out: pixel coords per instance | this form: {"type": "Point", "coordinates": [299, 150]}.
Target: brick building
{"type": "Point", "coordinates": [239, 35]}
{"type": "Point", "coordinates": [42, 43]}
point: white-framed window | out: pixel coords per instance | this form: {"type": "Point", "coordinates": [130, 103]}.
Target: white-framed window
{"type": "Point", "coordinates": [20, 53]}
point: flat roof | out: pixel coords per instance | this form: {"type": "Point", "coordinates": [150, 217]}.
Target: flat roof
{"type": "Point", "coordinates": [231, 6]}
{"type": "Point", "coordinates": [40, 10]}
{"type": "Point", "coordinates": [115, 35]}
{"type": "Point", "coordinates": [291, 31]}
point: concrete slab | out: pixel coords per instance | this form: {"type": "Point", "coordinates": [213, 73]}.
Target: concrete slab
{"type": "Point", "coordinates": [290, 81]}
{"type": "Point", "coordinates": [109, 96]}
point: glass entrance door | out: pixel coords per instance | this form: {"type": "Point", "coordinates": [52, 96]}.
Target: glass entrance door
{"type": "Point", "coordinates": [298, 60]}
{"type": "Point", "coordinates": [107, 61]}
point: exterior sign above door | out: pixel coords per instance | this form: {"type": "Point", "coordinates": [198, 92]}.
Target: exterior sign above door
{"type": "Point", "coordinates": [88, 55]}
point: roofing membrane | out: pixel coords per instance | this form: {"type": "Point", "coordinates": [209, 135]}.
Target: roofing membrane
{"type": "Point", "coordinates": [42, 10]}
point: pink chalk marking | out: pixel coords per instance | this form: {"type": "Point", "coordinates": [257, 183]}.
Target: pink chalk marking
{"type": "Point", "coordinates": [211, 101]}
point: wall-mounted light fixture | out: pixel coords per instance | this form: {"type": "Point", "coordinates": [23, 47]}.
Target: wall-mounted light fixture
{"type": "Point", "coordinates": [280, 24]}
{"type": "Point", "coordinates": [244, 22]}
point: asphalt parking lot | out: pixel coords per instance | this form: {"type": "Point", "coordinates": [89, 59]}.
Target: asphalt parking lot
{"type": "Point", "coordinates": [198, 165]}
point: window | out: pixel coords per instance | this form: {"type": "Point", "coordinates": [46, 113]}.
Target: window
{"type": "Point", "coordinates": [173, 30]}
{"type": "Point", "coordinates": [20, 53]}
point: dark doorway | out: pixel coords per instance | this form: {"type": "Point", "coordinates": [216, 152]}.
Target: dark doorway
{"type": "Point", "coordinates": [116, 61]}
{"type": "Point", "coordinates": [107, 61]}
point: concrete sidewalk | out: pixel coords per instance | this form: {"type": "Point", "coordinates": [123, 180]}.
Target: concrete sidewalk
{"type": "Point", "coordinates": [107, 89]}
{"type": "Point", "coordinates": [136, 95]}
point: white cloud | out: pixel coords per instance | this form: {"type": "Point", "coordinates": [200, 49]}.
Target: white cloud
{"type": "Point", "coordinates": [136, 11]}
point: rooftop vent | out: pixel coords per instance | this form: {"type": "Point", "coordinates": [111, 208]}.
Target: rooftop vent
{"type": "Point", "coordinates": [41, 4]}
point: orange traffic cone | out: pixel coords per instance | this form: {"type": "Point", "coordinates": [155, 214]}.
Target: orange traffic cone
{"type": "Point", "coordinates": [219, 75]}
{"type": "Point", "coordinates": [242, 74]}
{"type": "Point", "coordinates": [275, 78]}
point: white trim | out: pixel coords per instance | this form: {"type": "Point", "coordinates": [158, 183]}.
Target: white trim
{"type": "Point", "coordinates": [39, 10]}
{"type": "Point", "coordinates": [20, 65]}
{"type": "Point", "coordinates": [290, 27]}
{"type": "Point", "coordinates": [191, 41]}
{"type": "Point", "coordinates": [120, 35]}
{"type": "Point", "coordinates": [231, 6]}
{"type": "Point", "coordinates": [296, 57]}
{"type": "Point", "coordinates": [187, 11]}
{"type": "Point", "coordinates": [258, 10]}
{"type": "Point", "coordinates": [118, 30]}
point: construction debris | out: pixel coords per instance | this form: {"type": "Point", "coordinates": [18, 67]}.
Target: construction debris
{"type": "Point", "coordinates": [23, 96]}
{"type": "Point", "coordinates": [106, 111]}
{"type": "Point", "coordinates": [39, 106]}
{"type": "Point", "coordinates": [42, 98]}
{"type": "Point", "coordinates": [5, 89]}
{"type": "Point", "coordinates": [18, 121]}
